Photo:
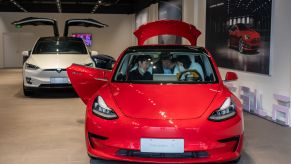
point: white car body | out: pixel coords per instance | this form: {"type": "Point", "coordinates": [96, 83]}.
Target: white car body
{"type": "Point", "coordinates": [43, 70]}
{"type": "Point", "coordinates": [46, 65]}
{"type": "Point", "coordinates": [52, 69]}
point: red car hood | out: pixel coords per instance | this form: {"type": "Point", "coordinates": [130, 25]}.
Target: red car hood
{"type": "Point", "coordinates": [251, 33]}
{"type": "Point", "coordinates": [155, 101]}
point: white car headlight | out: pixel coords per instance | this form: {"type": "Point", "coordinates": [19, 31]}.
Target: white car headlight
{"type": "Point", "coordinates": [102, 110]}
{"type": "Point", "coordinates": [247, 37]}
{"type": "Point", "coordinates": [31, 66]}
{"type": "Point", "coordinates": [226, 111]}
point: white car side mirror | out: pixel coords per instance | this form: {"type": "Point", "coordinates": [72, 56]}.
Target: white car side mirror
{"type": "Point", "coordinates": [25, 53]}
{"type": "Point", "coordinates": [94, 53]}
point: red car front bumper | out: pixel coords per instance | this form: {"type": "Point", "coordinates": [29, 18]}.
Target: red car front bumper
{"type": "Point", "coordinates": [252, 44]}
{"type": "Point", "coordinates": [204, 141]}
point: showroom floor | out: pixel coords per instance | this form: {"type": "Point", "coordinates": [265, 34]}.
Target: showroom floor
{"type": "Point", "coordinates": [49, 128]}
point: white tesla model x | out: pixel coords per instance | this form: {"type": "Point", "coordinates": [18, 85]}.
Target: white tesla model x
{"type": "Point", "coordinates": [46, 63]}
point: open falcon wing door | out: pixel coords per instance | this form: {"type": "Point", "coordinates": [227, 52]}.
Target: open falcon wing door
{"type": "Point", "coordinates": [87, 80]}
{"type": "Point", "coordinates": [38, 22]}
{"type": "Point", "coordinates": [167, 27]}
{"type": "Point", "coordinates": [82, 22]}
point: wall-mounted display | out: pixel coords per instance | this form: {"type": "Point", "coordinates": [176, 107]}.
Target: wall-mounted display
{"type": "Point", "coordinates": [85, 36]}
{"type": "Point", "coordinates": [170, 10]}
{"type": "Point", "coordinates": [238, 31]}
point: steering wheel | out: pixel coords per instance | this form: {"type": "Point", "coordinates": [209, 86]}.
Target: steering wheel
{"type": "Point", "coordinates": [190, 75]}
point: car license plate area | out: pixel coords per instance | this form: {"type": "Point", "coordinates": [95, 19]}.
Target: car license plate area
{"type": "Point", "coordinates": [59, 80]}
{"type": "Point", "coordinates": [151, 145]}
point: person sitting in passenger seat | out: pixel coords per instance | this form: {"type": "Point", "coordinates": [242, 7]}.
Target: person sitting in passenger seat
{"type": "Point", "coordinates": [165, 65]}
{"type": "Point", "coordinates": [141, 72]}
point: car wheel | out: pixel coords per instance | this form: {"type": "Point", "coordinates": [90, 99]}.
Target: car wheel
{"type": "Point", "coordinates": [229, 44]}
{"type": "Point", "coordinates": [94, 160]}
{"type": "Point", "coordinates": [27, 92]}
{"type": "Point", "coordinates": [234, 161]}
{"type": "Point", "coordinates": [241, 46]}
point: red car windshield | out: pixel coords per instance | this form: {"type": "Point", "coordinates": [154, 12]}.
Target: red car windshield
{"type": "Point", "coordinates": [242, 27]}
{"type": "Point", "coordinates": [165, 66]}
{"type": "Point", "coordinates": [60, 47]}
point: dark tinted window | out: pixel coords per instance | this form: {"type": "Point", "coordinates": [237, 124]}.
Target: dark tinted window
{"type": "Point", "coordinates": [242, 27]}
{"type": "Point", "coordinates": [165, 66]}
{"type": "Point", "coordinates": [60, 47]}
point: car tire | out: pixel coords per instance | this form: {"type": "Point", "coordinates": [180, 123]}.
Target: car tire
{"type": "Point", "coordinates": [234, 161]}
{"type": "Point", "coordinates": [229, 44]}
{"type": "Point", "coordinates": [241, 46]}
{"type": "Point", "coordinates": [94, 160]}
{"type": "Point", "coordinates": [27, 92]}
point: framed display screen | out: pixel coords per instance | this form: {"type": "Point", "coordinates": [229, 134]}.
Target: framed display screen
{"type": "Point", "coordinates": [85, 36]}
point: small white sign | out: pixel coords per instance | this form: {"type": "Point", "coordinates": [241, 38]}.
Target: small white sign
{"type": "Point", "coordinates": [59, 80]}
{"type": "Point", "coordinates": [152, 145]}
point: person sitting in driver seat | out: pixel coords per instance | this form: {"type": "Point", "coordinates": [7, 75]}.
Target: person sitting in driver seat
{"type": "Point", "coordinates": [184, 63]}
{"type": "Point", "coordinates": [141, 73]}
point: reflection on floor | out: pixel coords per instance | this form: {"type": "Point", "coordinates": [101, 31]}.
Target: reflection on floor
{"type": "Point", "coordinates": [50, 130]}
{"type": "Point", "coordinates": [251, 62]}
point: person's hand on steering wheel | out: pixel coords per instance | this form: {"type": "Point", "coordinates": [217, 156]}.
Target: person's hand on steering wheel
{"type": "Point", "coordinates": [190, 75]}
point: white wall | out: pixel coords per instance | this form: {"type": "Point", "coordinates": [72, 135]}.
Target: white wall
{"type": "Point", "coordinates": [279, 81]}
{"type": "Point", "coordinates": [111, 40]}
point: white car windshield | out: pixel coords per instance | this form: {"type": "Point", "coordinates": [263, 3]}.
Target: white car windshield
{"type": "Point", "coordinates": [165, 66]}
{"type": "Point", "coordinates": [60, 47]}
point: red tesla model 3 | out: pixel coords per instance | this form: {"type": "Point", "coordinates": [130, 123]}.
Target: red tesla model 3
{"type": "Point", "coordinates": [244, 38]}
{"type": "Point", "coordinates": [160, 103]}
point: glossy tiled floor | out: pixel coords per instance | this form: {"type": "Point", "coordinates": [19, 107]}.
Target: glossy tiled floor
{"type": "Point", "coordinates": [49, 129]}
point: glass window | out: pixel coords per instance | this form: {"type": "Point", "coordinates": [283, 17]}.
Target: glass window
{"type": "Point", "coordinates": [162, 66]}
{"type": "Point", "coordinates": [60, 47]}
{"type": "Point", "coordinates": [242, 27]}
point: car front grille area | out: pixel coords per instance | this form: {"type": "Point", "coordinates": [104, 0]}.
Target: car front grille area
{"type": "Point", "coordinates": [135, 153]}
{"type": "Point", "coordinates": [55, 86]}
{"type": "Point", "coordinates": [56, 70]}
{"type": "Point", "coordinates": [255, 40]}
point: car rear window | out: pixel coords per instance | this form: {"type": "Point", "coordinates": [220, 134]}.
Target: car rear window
{"type": "Point", "coordinates": [165, 66]}
{"type": "Point", "coordinates": [60, 47]}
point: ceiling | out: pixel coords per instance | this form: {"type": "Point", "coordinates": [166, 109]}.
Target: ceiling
{"type": "Point", "coordinates": [75, 6]}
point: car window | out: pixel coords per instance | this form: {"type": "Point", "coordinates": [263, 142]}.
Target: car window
{"type": "Point", "coordinates": [165, 67]}
{"type": "Point", "coordinates": [60, 47]}
{"type": "Point", "coordinates": [233, 28]}
{"type": "Point", "coordinates": [242, 27]}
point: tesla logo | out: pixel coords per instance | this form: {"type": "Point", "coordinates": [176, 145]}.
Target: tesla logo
{"type": "Point", "coordinates": [59, 70]}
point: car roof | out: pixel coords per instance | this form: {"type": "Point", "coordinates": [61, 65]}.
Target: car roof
{"type": "Point", "coordinates": [170, 47]}
{"type": "Point", "coordinates": [59, 39]}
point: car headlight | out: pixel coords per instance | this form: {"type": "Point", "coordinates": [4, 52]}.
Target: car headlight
{"type": "Point", "coordinates": [89, 65]}
{"type": "Point", "coordinates": [247, 37]}
{"type": "Point", "coordinates": [100, 109]}
{"type": "Point", "coordinates": [226, 111]}
{"type": "Point", "coordinates": [31, 66]}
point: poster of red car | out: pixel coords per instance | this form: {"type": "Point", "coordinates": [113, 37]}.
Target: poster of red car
{"type": "Point", "coordinates": [238, 33]}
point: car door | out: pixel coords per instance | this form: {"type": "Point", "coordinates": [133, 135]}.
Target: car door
{"type": "Point", "coordinates": [87, 80]}
{"type": "Point", "coordinates": [34, 21]}
{"type": "Point", "coordinates": [232, 35]}
{"type": "Point", "coordinates": [236, 36]}
{"type": "Point", "coordinates": [82, 22]}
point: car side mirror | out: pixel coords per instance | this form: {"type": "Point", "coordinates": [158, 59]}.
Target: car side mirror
{"type": "Point", "coordinates": [94, 53]}
{"type": "Point", "coordinates": [25, 53]}
{"type": "Point", "coordinates": [230, 76]}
